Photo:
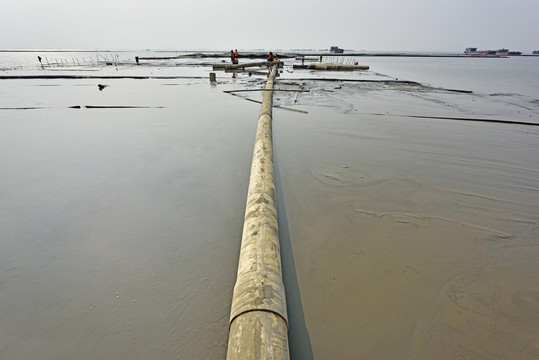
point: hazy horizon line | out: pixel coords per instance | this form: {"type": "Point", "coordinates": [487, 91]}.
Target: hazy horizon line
{"type": "Point", "coordinates": [459, 51]}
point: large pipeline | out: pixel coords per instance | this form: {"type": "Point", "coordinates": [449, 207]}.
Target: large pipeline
{"type": "Point", "coordinates": [258, 317]}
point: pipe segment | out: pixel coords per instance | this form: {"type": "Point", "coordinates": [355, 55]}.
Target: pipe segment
{"type": "Point", "coordinates": [258, 317]}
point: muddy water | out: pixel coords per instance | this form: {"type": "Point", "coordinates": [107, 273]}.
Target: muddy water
{"type": "Point", "coordinates": [413, 238]}
{"type": "Point", "coordinates": [402, 237]}
{"type": "Point", "coordinates": [120, 228]}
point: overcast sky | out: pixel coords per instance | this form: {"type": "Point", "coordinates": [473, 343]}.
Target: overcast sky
{"type": "Point", "coordinates": [430, 25]}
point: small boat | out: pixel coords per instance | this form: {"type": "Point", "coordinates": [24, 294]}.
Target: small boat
{"type": "Point", "coordinates": [336, 50]}
{"type": "Point", "coordinates": [473, 51]}
{"type": "Point", "coordinates": [506, 52]}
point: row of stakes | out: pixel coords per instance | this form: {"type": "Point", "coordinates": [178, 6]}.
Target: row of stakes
{"type": "Point", "coordinates": [99, 59]}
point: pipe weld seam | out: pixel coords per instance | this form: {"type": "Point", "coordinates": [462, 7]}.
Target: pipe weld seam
{"type": "Point", "coordinates": [268, 113]}
{"type": "Point", "coordinates": [251, 310]}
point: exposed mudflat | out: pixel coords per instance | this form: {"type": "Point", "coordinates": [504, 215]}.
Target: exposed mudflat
{"type": "Point", "coordinates": [409, 230]}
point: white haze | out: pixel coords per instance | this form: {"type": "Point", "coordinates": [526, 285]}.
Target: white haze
{"type": "Point", "coordinates": [415, 25]}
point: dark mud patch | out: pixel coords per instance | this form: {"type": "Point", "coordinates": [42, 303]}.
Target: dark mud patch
{"type": "Point", "coordinates": [500, 121]}
{"type": "Point", "coordinates": [114, 107]}
{"type": "Point", "coordinates": [26, 108]}
{"type": "Point", "coordinates": [85, 107]}
{"type": "Point", "coordinates": [33, 77]}
{"type": "Point", "coordinates": [457, 90]}
{"type": "Point", "coordinates": [502, 94]}
{"type": "Point", "coordinates": [403, 82]}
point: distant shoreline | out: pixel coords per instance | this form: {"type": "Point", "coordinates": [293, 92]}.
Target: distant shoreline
{"type": "Point", "coordinates": [263, 54]}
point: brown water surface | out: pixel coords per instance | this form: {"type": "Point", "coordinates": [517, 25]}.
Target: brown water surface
{"type": "Point", "coordinates": [406, 238]}
{"type": "Point", "coordinates": [120, 228]}
{"type": "Point", "coordinates": [413, 238]}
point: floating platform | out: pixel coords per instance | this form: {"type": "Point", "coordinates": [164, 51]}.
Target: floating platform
{"type": "Point", "coordinates": [331, 67]}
